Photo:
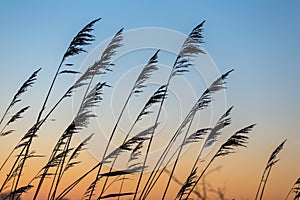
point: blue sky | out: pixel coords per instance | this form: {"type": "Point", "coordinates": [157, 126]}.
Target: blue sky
{"type": "Point", "coordinates": [260, 39]}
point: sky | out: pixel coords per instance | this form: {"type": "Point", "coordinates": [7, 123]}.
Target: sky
{"type": "Point", "coordinates": [260, 40]}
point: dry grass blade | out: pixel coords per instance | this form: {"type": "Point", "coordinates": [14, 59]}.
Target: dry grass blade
{"type": "Point", "coordinates": [115, 173]}
{"type": "Point", "coordinates": [132, 170]}
{"type": "Point", "coordinates": [193, 42]}
{"type": "Point", "coordinates": [100, 66]}
{"type": "Point", "coordinates": [81, 120]}
{"type": "Point", "coordinates": [218, 84]}
{"type": "Point", "coordinates": [13, 175]}
{"type": "Point", "coordinates": [69, 72]}
{"type": "Point", "coordinates": [29, 134]}
{"type": "Point", "coordinates": [82, 38]}
{"type": "Point", "coordinates": [17, 193]}
{"type": "Point", "coordinates": [190, 48]}
{"type": "Point", "coordinates": [116, 195]}
{"type": "Point", "coordinates": [28, 83]}
{"type": "Point", "coordinates": [7, 132]}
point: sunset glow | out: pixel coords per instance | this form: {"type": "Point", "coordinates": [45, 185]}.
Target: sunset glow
{"type": "Point", "coordinates": [259, 40]}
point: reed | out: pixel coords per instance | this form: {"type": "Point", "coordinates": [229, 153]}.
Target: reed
{"type": "Point", "coordinates": [271, 162]}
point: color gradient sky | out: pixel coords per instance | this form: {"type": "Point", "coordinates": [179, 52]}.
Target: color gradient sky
{"type": "Point", "coordinates": [259, 39]}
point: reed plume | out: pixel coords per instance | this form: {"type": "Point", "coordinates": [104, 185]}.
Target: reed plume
{"type": "Point", "coordinates": [157, 97]}
{"type": "Point", "coordinates": [212, 137]}
{"type": "Point", "coordinates": [62, 148]}
{"type": "Point", "coordinates": [25, 86]}
{"type": "Point", "coordinates": [190, 48]}
{"type": "Point", "coordinates": [82, 39]}
{"type": "Point", "coordinates": [295, 187]}
{"type": "Point", "coordinates": [137, 88]}
{"type": "Point", "coordinates": [15, 117]}
{"type": "Point", "coordinates": [200, 104]}
{"type": "Point", "coordinates": [238, 139]}
{"type": "Point", "coordinates": [271, 162]}
{"type": "Point", "coordinates": [128, 146]}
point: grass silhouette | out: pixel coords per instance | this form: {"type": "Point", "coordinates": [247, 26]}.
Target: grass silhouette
{"type": "Point", "coordinates": [65, 155]}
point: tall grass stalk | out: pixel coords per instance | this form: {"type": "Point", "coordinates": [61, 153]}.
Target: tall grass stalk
{"type": "Point", "coordinates": [201, 103]}
{"type": "Point", "coordinates": [238, 139]}
{"type": "Point", "coordinates": [65, 153]}
{"type": "Point", "coordinates": [212, 137]}
{"type": "Point", "coordinates": [137, 88]}
{"type": "Point", "coordinates": [157, 97]}
{"type": "Point", "coordinates": [179, 153]}
{"type": "Point", "coordinates": [194, 138]}
{"type": "Point", "coordinates": [133, 156]}
{"type": "Point", "coordinates": [272, 161]}
{"type": "Point", "coordinates": [102, 65]}
{"type": "Point", "coordinates": [177, 158]}
{"type": "Point", "coordinates": [81, 121]}
{"type": "Point", "coordinates": [189, 49]}
{"type": "Point", "coordinates": [293, 187]}
{"type": "Point", "coordinates": [99, 67]}
{"type": "Point", "coordinates": [28, 83]}
{"type": "Point", "coordinates": [15, 117]}
{"type": "Point", "coordinates": [128, 146]}
{"type": "Point", "coordinates": [222, 122]}
{"type": "Point", "coordinates": [83, 38]}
